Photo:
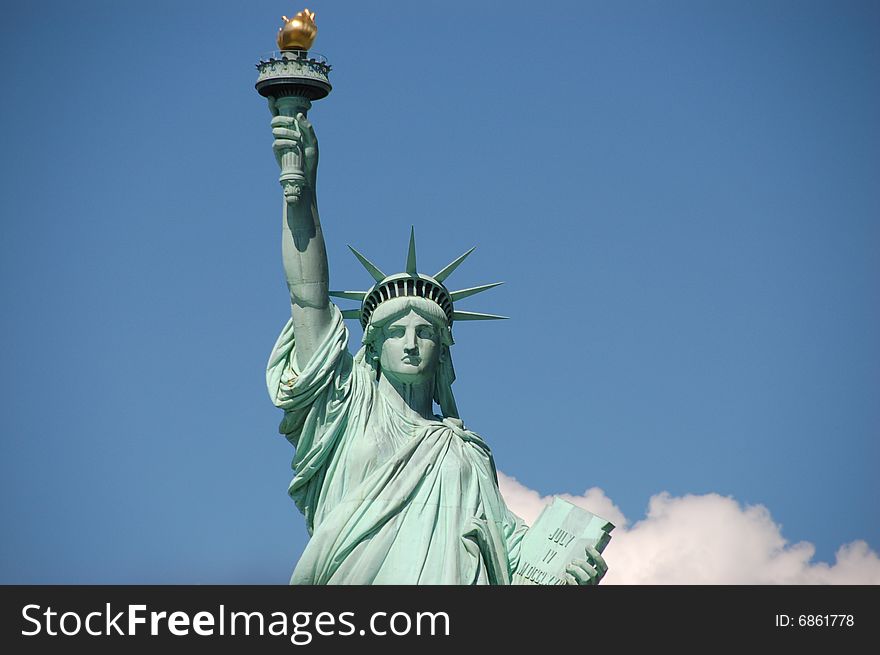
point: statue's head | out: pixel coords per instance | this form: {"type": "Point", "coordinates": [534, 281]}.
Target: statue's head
{"type": "Point", "coordinates": [407, 319]}
{"type": "Point", "coordinates": [408, 338]}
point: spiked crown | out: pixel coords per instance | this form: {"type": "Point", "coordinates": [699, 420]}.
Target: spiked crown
{"type": "Point", "coordinates": [414, 284]}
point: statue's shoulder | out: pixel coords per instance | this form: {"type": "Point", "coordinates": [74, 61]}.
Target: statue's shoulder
{"type": "Point", "coordinates": [469, 436]}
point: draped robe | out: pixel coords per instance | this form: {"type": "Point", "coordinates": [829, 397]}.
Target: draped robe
{"type": "Point", "coordinates": [388, 498]}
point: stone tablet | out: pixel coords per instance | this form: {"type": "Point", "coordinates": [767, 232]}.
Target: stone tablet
{"type": "Point", "coordinates": [559, 536]}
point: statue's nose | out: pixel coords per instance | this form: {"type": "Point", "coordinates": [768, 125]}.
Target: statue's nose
{"type": "Point", "coordinates": [411, 343]}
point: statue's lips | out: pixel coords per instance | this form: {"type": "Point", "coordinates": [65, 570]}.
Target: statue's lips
{"type": "Point", "coordinates": [415, 360]}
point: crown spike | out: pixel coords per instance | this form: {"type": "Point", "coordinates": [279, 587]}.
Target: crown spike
{"type": "Point", "coordinates": [372, 269]}
{"type": "Point", "coordinates": [411, 255]}
{"type": "Point", "coordinates": [475, 316]}
{"type": "Point", "coordinates": [464, 293]}
{"type": "Point", "coordinates": [445, 272]}
{"type": "Point", "coordinates": [350, 295]}
{"type": "Point", "coordinates": [351, 313]}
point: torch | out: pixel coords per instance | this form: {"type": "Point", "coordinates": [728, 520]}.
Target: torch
{"type": "Point", "coordinates": [291, 79]}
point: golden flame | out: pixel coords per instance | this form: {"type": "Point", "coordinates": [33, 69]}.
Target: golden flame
{"type": "Point", "coordinates": [299, 32]}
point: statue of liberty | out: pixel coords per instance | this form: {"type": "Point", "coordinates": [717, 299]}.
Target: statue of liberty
{"type": "Point", "coordinates": [392, 493]}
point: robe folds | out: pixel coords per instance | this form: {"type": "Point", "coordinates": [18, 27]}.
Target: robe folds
{"type": "Point", "coordinates": [387, 498]}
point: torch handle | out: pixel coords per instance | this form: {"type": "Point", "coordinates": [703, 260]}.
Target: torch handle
{"type": "Point", "coordinates": [292, 178]}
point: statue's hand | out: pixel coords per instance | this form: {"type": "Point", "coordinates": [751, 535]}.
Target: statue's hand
{"type": "Point", "coordinates": [586, 572]}
{"type": "Point", "coordinates": [296, 132]}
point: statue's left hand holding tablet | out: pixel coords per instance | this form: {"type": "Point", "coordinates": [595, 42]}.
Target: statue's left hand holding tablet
{"type": "Point", "coordinates": [587, 571]}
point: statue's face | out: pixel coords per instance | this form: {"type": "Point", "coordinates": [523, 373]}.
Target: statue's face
{"type": "Point", "coordinates": [410, 349]}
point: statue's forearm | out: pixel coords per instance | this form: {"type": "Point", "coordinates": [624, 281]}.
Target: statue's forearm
{"type": "Point", "coordinates": [305, 267]}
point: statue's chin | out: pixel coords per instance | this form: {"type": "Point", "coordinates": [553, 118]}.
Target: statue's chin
{"type": "Point", "coordinates": [411, 376]}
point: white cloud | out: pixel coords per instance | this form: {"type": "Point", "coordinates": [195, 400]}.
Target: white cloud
{"type": "Point", "coordinates": [707, 539]}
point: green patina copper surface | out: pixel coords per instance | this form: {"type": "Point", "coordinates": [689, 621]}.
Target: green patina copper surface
{"type": "Point", "coordinates": [392, 492]}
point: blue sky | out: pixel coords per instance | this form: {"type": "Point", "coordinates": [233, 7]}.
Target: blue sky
{"type": "Point", "coordinates": [681, 197]}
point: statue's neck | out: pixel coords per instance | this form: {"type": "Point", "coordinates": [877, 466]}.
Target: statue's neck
{"type": "Point", "coordinates": [416, 397]}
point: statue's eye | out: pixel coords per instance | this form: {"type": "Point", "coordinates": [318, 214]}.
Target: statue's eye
{"type": "Point", "coordinates": [426, 332]}
{"type": "Point", "coordinates": [395, 331]}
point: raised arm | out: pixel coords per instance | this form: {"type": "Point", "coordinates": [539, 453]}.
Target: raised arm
{"type": "Point", "coordinates": [302, 242]}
